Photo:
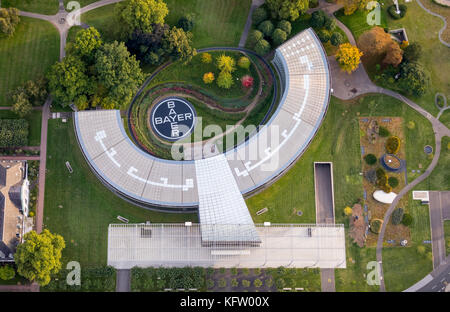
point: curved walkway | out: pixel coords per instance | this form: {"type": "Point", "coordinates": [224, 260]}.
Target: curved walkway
{"type": "Point", "coordinates": [442, 18]}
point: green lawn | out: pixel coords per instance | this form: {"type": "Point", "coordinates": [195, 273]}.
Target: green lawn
{"type": "Point", "coordinates": [27, 55]}
{"type": "Point", "coordinates": [48, 7]}
{"type": "Point", "coordinates": [357, 22]}
{"type": "Point", "coordinates": [87, 207]}
{"type": "Point", "coordinates": [445, 117]}
{"type": "Point", "coordinates": [34, 122]}
{"type": "Point", "coordinates": [102, 19]}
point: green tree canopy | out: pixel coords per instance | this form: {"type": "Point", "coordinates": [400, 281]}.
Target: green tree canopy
{"type": "Point", "coordinates": [336, 39]}
{"type": "Point", "coordinates": [68, 80]}
{"type": "Point", "coordinates": [21, 104]}
{"type": "Point", "coordinates": [9, 19]}
{"type": "Point", "coordinates": [7, 272]}
{"type": "Point", "coordinates": [279, 36]}
{"type": "Point", "coordinates": [287, 9]}
{"type": "Point", "coordinates": [141, 14]}
{"type": "Point", "coordinates": [226, 63]}
{"type": "Point", "coordinates": [225, 80]}
{"type": "Point", "coordinates": [119, 73]}
{"type": "Point", "coordinates": [259, 15]}
{"type": "Point", "coordinates": [39, 256]}
{"type": "Point", "coordinates": [262, 47]}
{"type": "Point", "coordinates": [286, 26]}
{"type": "Point", "coordinates": [266, 28]}
{"type": "Point", "coordinates": [413, 79]}
{"type": "Point", "coordinates": [178, 43]}
{"type": "Point", "coordinates": [87, 41]}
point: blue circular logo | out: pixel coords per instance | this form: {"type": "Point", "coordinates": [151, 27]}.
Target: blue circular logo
{"type": "Point", "coordinates": [173, 118]}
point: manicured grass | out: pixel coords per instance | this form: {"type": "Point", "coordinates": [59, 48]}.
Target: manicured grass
{"type": "Point", "coordinates": [27, 55]}
{"type": "Point", "coordinates": [48, 7]}
{"type": "Point", "coordinates": [79, 207]}
{"type": "Point", "coordinates": [102, 19]}
{"type": "Point", "coordinates": [439, 179]}
{"type": "Point", "coordinates": [34, 123]}
{"type": "Point", "coordinates": [357, 22]}
{"type": "Point", "coordinates": [217, 22]}
{"type": "Point", "coordinates": [445, 118]}
{"type": "Point", "coordinates": [447, 236]}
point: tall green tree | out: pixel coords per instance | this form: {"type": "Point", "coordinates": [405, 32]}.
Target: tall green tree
{"type": "Point", "coordinates": [119, 73]}
{"type": "Point", "coordinates": [21, 104]}
{"type": "Point", "coordinates": [140, 14]}
{"type": "Point", "coordinates": [414, 79]}
{"type": "Point", "coordinates": [287, 9]}
{"type": "Point", "coordinates": [87, 41]}
{"type": "Point", "coordinates": [68, 80]}
{"type": "Point", "coordinates": [178, 44]}
{"type": "Point", "coordinates": [9, 19]}
{"type": "Point", "coordinates": [39, 256]}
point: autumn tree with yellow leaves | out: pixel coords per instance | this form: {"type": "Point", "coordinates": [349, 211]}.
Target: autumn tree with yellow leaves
{"type": "Point", "coordinates": [208, 77]}
{"type": "Point", "coordinates": [348, 57]}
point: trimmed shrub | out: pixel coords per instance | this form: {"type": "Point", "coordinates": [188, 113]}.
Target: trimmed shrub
{"type": "Point", "coordinates": [317, 19]}
{"type": "Point", "coordinates": [246, 283]}
{"type": "Point", "coordinates": [280, 283]}
{"type": "Point", "coordinates": [393, 182]}
{"type": "Point", "coordinates": [324, 35]}
{"type": "Point", "coordinates": [393, 145]}
{"type": "Point", "coordinates": [397, 216]}
{"type": "Point", "coordinates": [256, 36]}
{"type": "Point", "coordinates": [370, 159]}
{"type": "Point", "coordinates": [7, 273]}
{"type": "Point", "coordinates": [259, 15]}
{"type": "Point", "coordinates": [336, 39]}
{"type": "Point", "coordinates": [279, 36]}
{"type": "Point", "coordinates": [375, 225]}
{"type": "Point", "coordinates": [266, 28]}
{"type": "Point", "coordinates": [206, 58]}
{"type": "Point", "coordinates": [330, 23]}
{"type": "Point", "coordinates": [257, 283]}
{"type": "Point", "coordinates": [262, 47]}
{"type": "Point", "coordinates": [244, 62]}
{"type": "Point", "coordinates": [393, 11]}
{"type": "Point", "coordinates": [286, 26]}
{"type": "Point", "coordinates": [407, 219]}
{"type": "Point", "coordinates": [222, 283]}
{"type": "Point", "coordinates": [234, 282]}
{"type": "Point", "coordinates": [383, 132]}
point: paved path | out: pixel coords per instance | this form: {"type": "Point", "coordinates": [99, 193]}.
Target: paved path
{"type": "Point", "coordinates": [123, 280]}
{"type": "Point", "coordinates": [248, 24]}
{"type": "Point", "coordinates": [20, 288]}
{"type": "Point", "coordinates": [20, 158]}
{"type": "Point", "coordinates": [439, 202]}
{"type": "Point", "coordinates": [42, 167]}
{"type": "Point", "coordinates": [442, 18]}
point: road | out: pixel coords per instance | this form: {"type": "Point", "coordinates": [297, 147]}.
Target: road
{"type": "Point", "coordinates": [123, 280]}
{"type": "Point", "coordinates": [438, 201]}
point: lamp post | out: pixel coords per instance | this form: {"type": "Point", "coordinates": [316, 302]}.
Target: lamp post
{"type": "Point", "coordinates": [396, 5]}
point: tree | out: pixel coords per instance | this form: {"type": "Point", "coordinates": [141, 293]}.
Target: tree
{"type": "Point", "coordinates": [317, 19]}
{"type": "Point", "coordinates": [9, 19]}
{"type": "Point", "coordinates": [286, 26]}
{"type": "Point", "coordinates": [413, 79]}
{"type": "Point", "coordinates": [119, 73]}
{"type": "Point", "coordinates": [407, 219]}
{"type": "Point", "coordinates": [266, 28]}
{"type": "Point", "coordinates": [39, 256]}
{"type": "Point", "coordinates": [287, 9]}
{"type": "Point", "coordinates": [370, 159]}
{"type": "Point", "coordinates": [244, 62]}
{"type": "Point", "coordinates": [68, 80]}
{"type": "Point", "coordinates": [348, 57]}
{"type": "Point", "coordinates": [148, 46]}
{"type": "Point", "coordinates": [350, 6]}
{"type": "Point", "coordinates": [247, 81]}
{"type": "Point", "coordinates": [259, 15]}
{"type": "Point", "coordinates": [225, 80]}
{"type": "Point", "coordinates": [279, 36]}
{"type": "Point", "coordinates": [13, 132]}
{"type": "Point", "coordinates": [393, 182]}
{"type": "Point", "coordinates": [256, 36]}
{"type": "Point", "coordinates": [226, 63]}
{"type": "Point", "coordinates": [7, 273]}
{"type": "Point", "coordinates": [262, 47]}
{"type": "Point", "coordinates": [178, 43]}
{"type": "Point", "coordinates": [394, 54]}
{"type": "Point", "coordinates": [412, 52]}
{"type": "Point", "coordinates": [186, 22]}
{"type": "Point", "coordinates": [348, 211]}
{"type": "Point", "coordinates": [140, 14]}
{"type": "Point", "coordinates": [383, 132]}
{"type": "Point", "coordinates": [208, 78]}
{"type": "Point", "coordinates": [329, 23]}
{"type": "Point", "coordinates": [336, 39]}
{"type": "Point", "coordinates": [87, 41]}
{"type": "Point", "coordinates": [324, 35]}
{"type": "Point", "coordinates": [393, 145]}
{"type": "Point", "coordinates": [206, 58]}
{"type": "Point", "coordinates": [21, 104]}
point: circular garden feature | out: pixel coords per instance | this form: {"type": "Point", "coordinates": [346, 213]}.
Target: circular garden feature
{"type": "Point", "coordinates": [428, 149]}
{"type": "Point", "coordinates": [158, 118]}
{"type": "Point", "coordinates": [391, 162]}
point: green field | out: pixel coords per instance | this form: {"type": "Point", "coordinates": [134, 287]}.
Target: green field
{"type": "Point", "coordinates": [27, 55]}
{"type": "Point", "coordinates": [34, 122]}
{"type": "Point", "coordinates": [79, 207]}
{"type": "Point", "coordinates": [48, 7]}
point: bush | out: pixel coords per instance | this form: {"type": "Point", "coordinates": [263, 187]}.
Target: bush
{"type": "Point", "coordinates": [375, 225]}
{"type": "Point", "coordinates": [397, 216]}
{"type": "Point", "coordinates": [225, 80]}
{"type": "Point", "coordinates": [324, 35]}
{"type": "Point", "coordinates": [393, 145]}
{"type": "Point", "coordinates": [393, 182]}
{"type": "Point", "coordinates": [259, 15]}
{"type": "Point", "coordinates": [370, 159]}
{"type": "Point", "coordinates": [245, 283]}
{"type": "Point", "coordinates": [280, 283]}
{"type": "Point", "coordinates": [317, 19]}
{"type": "Point", "coordinates": [233, 271]}
{"type": "Point", "coordinates": [407, 219]}
{"type": "Point", "coordinates": [411, 125]}
{"type": "Point", "coordinates": [393, 11]}
{"type": "Point", "coordinates": [286, 26]}
{"type": "Point", "coordinates": [266, 28]}
{"type": "Point", "coordinates": [268, 282]}
{"type": "Point", "coordinates": [383, 132]}
{"type": "Point", "coordinates": [234, 283]}
{"type": "Point", "coordinates": [279, 36]}
{"type": "Point", "coordinates": [413, 52]}
{"type": "Point", "coordinates": [186, 22]}
{"type": "Point", "coordinates": [13, 132]}
{"type": "Point", "coordinates": [244, 62]}
{"type": "Point", "coordinates": [222, 283]}
{"type": "Point", "coordinates": [257, 283]}
{"type": "Point", "coordinates": [7, 273]}
{"type": "Point", "coordinates": [206, 58]}
{"type": "Point", "coordinates": [336, 39]}
{"type": "Point", "coordinates": [414, 80]}
{"type": "Point", "coordinates": [256, 36]}
{"type": "Point", "coordinates": [209, 283]}
{"type": "Point", "coordinates": [330, 24]}
{"type": "Point", "coordinates": [262, 47]}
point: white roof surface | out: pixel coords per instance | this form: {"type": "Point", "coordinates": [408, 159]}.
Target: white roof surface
{"type": "Point", "coordinates": [177, 245]}
{"type": "Point", "coordinates": [383, 197]}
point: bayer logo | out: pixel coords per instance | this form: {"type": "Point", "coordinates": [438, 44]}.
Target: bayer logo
{"type": "Point", "coordinates": [173, 118]}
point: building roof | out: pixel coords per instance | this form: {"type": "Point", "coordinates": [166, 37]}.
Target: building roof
{"type": "Point", "coordinates": [148, 180]}
{"type": "Point", "coordinates": [15, 195]}
{"type": "Point", "coordinates": [3, 172]}
{"type": "Point", "coordinates": [4, 252]}
{"type": "Point", "coordinates": [2, 214]}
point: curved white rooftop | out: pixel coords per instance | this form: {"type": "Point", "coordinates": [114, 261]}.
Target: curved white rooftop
{"type": "Point", "coordinates": [383, 197]}
{"type": "Point", "coordinates": [148, 180]}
